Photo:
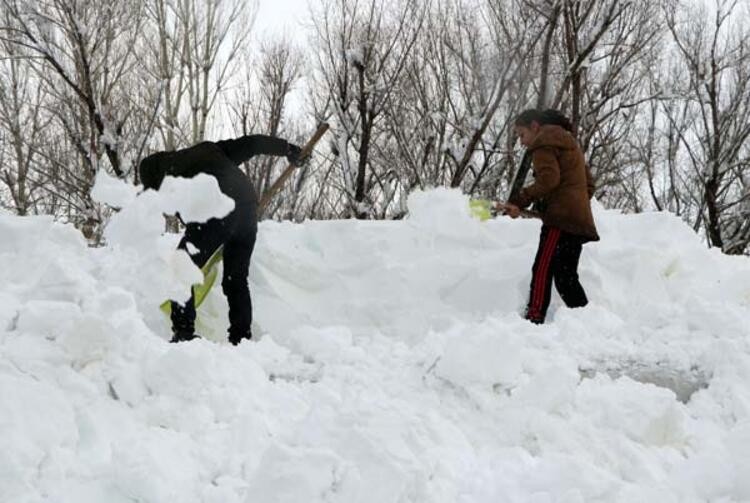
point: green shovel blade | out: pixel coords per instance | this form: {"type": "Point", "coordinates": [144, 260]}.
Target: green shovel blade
{"type": "Point", "coordinates": [481, 209]}
{"type": "Point", "coordinates": [200, 290]}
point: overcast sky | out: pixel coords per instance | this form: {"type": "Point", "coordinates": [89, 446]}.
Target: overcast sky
{"type": "Point", "coordinates": [280, 16]}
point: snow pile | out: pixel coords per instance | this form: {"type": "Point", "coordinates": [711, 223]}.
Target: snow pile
{"type": "Point", "coordinates": [390, 364]}
{"type": "Point", "coordinates": [139, 259]}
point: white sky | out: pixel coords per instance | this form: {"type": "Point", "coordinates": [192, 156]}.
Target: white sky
{"type": "Point", "coordinates": [277, 18]}
{"type": "Point", "coordinates": [280, 16]}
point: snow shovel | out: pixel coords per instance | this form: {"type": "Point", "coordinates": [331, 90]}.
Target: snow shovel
{"type": "Point", "coordinates": [281, 180]}
{"type": "Point", "coordinates": [484, 209]}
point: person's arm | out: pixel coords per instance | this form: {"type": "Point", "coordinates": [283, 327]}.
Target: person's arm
{"type": "Point", "coordinates": [243, 148]}
{"type": "Point", "coordinates": [546, 177]}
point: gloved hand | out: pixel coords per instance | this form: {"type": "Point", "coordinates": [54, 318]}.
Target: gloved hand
{"type": "Point", "coordinates": [293, 155]}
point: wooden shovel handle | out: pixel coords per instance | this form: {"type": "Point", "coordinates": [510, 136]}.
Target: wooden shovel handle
{"type": "Point", "coordinates": [281, 180]}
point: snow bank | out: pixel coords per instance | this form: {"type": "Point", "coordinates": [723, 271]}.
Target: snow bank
{"type": "Point", "coordinates": [390, 364]}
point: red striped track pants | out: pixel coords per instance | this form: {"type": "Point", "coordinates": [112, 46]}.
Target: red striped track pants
{"type": "Point", "coordinates": [556, 259]}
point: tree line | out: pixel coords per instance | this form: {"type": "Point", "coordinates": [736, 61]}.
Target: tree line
{"type": "Point", "coordinates": [418, 93]}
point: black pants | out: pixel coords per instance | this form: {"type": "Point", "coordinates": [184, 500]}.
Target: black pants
{"type": "Point", "coordinates": [557, 258]}
{"type": "Point", "coordinates": [237, 252]}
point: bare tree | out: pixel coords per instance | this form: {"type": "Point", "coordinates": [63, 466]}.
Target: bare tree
{"type": "Point", "coordinates": [596, 71]}
{"type": "Point", "coordinates": [464, 71]}
{"type": "Point", "coordinates": [419, 93]}
{"type": "Point", "coordinates": [486, 83]}
{"type": "Point", "coordinates": [83, 53]}
{"type": "Point", "coordinates": [22, 126]}
{"type": "Point", "coordinates": [715, 55]}
{"type": "Point", "coordinates": [84, 48]}
{"type": "Point", "coordinates": [260, 106]}
{"type": "Point", "coordinates": [654, 139]}
{"type": "Point", "coordinates": [418, 121]}
{"type": "Point", "coordinates": [196, 54]}
{"type": "Point", "coordinates": [363, 50]}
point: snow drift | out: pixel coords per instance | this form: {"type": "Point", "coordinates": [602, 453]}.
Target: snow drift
{"type": "Point", "coordinates": [390, 365]}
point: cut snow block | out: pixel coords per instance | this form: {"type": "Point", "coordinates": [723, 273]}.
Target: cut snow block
{"type": "Point", "coordinates": [200, 290]}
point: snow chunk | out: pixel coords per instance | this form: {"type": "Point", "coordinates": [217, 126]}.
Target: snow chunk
{"type": "Point", "coordinates": [138, 224]}
{"type": "Point", "coordinates": [112, 191]}
{"type": "Point", "coordinates": [495, 359]}
{"type": "Point", "coordinates": [197, 199]}
{"type": "Point", "coordinates": [440, 208]}
{"type": "Point", "coordinates": [47, 318]}
{"type": "Point", "coordinates": [38, 424]}
{"type": "Point", "coordinates": [22, 234]}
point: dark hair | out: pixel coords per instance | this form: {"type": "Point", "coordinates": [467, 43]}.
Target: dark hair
{"type": "Point", "coordinates": [525, 118]}
{"type": "Point", "coordinates": [549, 116]}
{"type": "Point", "coordinates": [556, 118]}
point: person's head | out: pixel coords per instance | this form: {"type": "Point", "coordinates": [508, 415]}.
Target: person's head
{"type": "Point", "coordinates": [529, 122]}
{"type": "Point", "coordinates": [556, 118]}
{"type": "Point", "coordinates": [151, 171]}
{"type": "Point", "coordinates": [527, 125]}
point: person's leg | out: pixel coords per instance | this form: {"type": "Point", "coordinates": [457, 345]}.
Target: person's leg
{"type": "Point", "coordinates": [183, 315]}
{"type": "Point", "coordinates": [235, 285]}
{"type": "Point", "coordinates": [565, 267]}
{"type": "Point", "coordinates": [541, 278]}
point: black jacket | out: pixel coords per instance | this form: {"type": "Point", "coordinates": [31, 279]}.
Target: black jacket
{"type": "Point", "coordinates": [221, 160]}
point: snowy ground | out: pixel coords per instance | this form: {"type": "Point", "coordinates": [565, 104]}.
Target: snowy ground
{"type": "Point", "coordinates": [391, 365]}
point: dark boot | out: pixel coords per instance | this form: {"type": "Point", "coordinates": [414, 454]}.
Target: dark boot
{"type": "Point", "coordinates": [236, 337]}
{"type": "Point", "coordinates": [184, 336]}
{"type": "Point", "coordinates": [183, 321]}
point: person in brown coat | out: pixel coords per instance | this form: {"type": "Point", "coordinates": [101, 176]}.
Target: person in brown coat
{"type": "Point", "coordinates": [563, 188]}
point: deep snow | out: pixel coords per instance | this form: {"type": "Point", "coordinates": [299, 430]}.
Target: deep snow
{"type": "Point", "coordinates": [390, 365]}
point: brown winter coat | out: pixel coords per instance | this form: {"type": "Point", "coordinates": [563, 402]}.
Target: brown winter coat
{"type": "Point", "coordinates": [562, 181]}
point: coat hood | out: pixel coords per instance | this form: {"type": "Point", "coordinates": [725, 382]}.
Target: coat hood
{"type": "Point", "coordinates": [555, 137]}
